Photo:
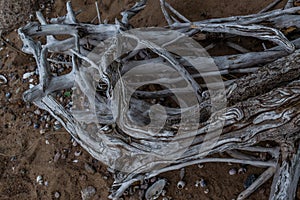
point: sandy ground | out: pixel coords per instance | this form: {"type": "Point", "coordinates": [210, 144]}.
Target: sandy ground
{"type": "Point", "coordinates": [26, 152]}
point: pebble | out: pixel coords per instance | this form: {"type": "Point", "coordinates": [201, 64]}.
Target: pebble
{"type": "Point", "coordinates": [206, 191]}
{"type": "Point", "coordinates": [42, 131]}
{"type": "Point", "coordinates": [90, 169]}
{"type": "Point", "coordinates": [37, 112]}
{"type": "Point", "coordinates": [47, 126]}
{"type": "Point", "coordinates": [27, 75]}
{"type": "Point", "coordinates": [39, 179]}
{"type": "Point", "coordinates": [46, 183]}
{"type": "Point", "coordinates": [232, 171]}
{"type": "Point", "coordinates": [88, 193]}
{"type": "Point", "coordinates": [249, 180]}
{"type": "Point", "coordinates": [8, 95]}
{"type": "Point", "coordinates": [57, 195]}
{"type": "Point", "coordinates": [57, 125]}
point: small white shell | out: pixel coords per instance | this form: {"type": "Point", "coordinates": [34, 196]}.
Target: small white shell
{"type": "Point", "coordinates": [3, 80]}
{"type": "Point", "coordinates": [57, 195]}
{"type": "Point", "coordinates": [74, 143]}
{"type": "Point", "coordinates": [200, 166]}
{"type": "Point", "coordinates": [39, 179]}
{"type": "Point", "coordinates": [180, 185]}
{"type": "Point", "coordinates": [155, 190]}
{"type": "Point", "coordinates": [242, 170]}
{"type": "Point", "coordinates": [77, 153]}
{"type": "Point", "coordinates": [206, 191]}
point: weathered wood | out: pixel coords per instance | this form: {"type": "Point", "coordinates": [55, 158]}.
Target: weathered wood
{"type": "Point", "coordinates": [262, 106]}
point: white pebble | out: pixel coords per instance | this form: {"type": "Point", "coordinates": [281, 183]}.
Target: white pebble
{"type": "Point", "coordinates": [232, 171]}
{"type": "Point", "coordinates": [27, 75]}
{"type": "Point", "coordinates": [37, 112]}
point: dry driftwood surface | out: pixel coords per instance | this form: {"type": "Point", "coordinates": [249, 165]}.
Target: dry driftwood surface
{"type": "Point", "coordinates": [262, 106]}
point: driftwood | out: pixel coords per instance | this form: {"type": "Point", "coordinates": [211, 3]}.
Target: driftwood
{"type": "Point", "coordinates": [235, 116]}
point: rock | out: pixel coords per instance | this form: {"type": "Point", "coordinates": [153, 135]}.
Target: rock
{"type": "Point", "coordinates": [88, 193]}
{"type": "Point", "coordinates": [232, 171]}
{"type": "Point", "coordinates": [27, 75]}
{"type": "Point", "coordinates": [8, 95]}
{"type": "Point", "coordinates": [37, 112]}
{"type": "Point", "coordinates": [57, 125]}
